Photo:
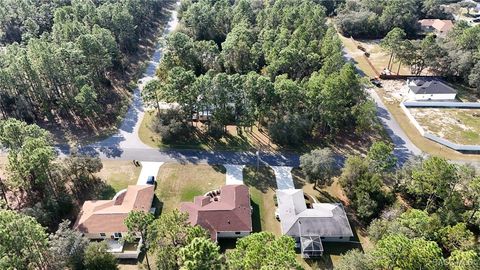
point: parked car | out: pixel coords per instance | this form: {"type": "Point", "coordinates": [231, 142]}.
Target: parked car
{"type": "Point", "coordinates": [376, 82]}
{"type": "Point", "coordinates": [151, 180]}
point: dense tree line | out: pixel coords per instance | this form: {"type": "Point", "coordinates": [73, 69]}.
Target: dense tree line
{"type": "Point", "coordinates": [455, 56]}
{"type": "Point", "coordinates": [23, 19]}
{"type": "Point", "coordinates": [273, 63]}
{"type": "Point", "coordinates": [171, 239]}
{"type": "Point", "coordinates": [64, 52]}
{"type": "Point", "coordinates": [375, 18]}
{"type": "Point", "coordinates": [37, 183]}
{"type": "Point", "coordinates": [433, 226]}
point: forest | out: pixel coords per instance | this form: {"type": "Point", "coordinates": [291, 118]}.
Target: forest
{"type": "Point", "coordinates": [455, 56]}
{"type": "Point", "coordinates": [273, 64]}
{"type": "Point", "coordinates": [375, 18]}
{"type": "Point", "coordinates": [423, 214]}
{"type": "Point", "coordinates": [60, 58]}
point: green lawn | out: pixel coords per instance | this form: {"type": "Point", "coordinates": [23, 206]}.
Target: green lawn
{"type": "Point", "coordinates": [262, 189]}
{"type": "Point", "coordinates": [117, 175]}
{"type": "Point", "coordinates": [178, 183]}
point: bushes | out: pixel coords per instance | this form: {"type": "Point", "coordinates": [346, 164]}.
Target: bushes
{"type": "Point", "coordinates": [291, 129]}
{"type": "Point", "coordinates": [359, 24]}
{"type": "Point", "coordinates": [171, 126]}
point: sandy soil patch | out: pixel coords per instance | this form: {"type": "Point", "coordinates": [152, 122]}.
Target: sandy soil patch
{"type": "Point", "coordinates": [457, 125]}
{"type": "Point", "coordinates": [395, 91]}
{"type": "Point", "coordinates": [3, 164]}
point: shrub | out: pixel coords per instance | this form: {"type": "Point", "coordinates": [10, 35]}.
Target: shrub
{"type": "Point", "coordinates": [291, 129]}
{"type": "Point", "coordinates": [171, 126]}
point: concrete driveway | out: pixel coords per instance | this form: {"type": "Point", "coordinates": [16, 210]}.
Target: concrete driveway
{"type": "Point", "coordinates": [148, 169]}
{"type": "Point", "coordinates": [283, 176]}
{"type": "Point", "coordinates": [234, 174]}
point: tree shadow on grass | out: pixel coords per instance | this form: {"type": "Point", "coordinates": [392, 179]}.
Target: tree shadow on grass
{"type": "Point", "coordinates": [299, 179]}
{"type": "Point", "coordinates": [262, 179]}
{"type": "Point", "coordinates": [324, 262]}
{"type": "Point", "coordinates": [325, 197]}
{"type": "Point", "coordinates": [107, 192]}
{"type": "Point", "coordinates": [219, 168]}
{"type": "Point", "coordinates": [256, 220]}
{"type": "Point", "coordinates": [158, 206]}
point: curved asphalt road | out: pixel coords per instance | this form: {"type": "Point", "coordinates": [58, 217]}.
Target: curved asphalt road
{"type": "Point", "coordinates": [404, 148]}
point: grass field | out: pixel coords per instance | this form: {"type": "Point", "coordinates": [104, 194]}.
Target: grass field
{"type": "Point", "coordinates": [262, 189]}
{"type": "Point", "coordinates": [118, 175]}
{"type": "Point", "coordinates": [456, 125]}
{"type": "Point", "coordinates": [178, 183]}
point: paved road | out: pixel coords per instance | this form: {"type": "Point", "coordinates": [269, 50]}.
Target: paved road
{"type": "Point", "coordinates": [191, 156]}
{"type": "Point", "coordinates": [127, 135]}
{"type": "Point", "coordinates": [404, 148]}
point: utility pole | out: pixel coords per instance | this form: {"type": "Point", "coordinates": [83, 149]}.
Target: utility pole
{"type": "Point", "coordinates": [258, 159]}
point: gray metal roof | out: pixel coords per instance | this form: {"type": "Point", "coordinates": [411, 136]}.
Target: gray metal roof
{"type": "Point", "coordinates": [431, 87]}
{"type": "Point", "coordinates": [324, 219]}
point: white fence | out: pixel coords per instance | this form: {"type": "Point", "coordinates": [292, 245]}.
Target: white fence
{"type": "Point", "coordinates": [442, 141]}
{"type": "Point", "coordinates": [442, 104]}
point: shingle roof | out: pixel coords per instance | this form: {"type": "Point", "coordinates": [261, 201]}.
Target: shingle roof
{"type": "Point", "coordinates": [104, 216]}
{"type": "Point", "coordinates": [432, 87]}
{"type": "Point", "coordinates": [230, 212]}
{"type": "Point", "coordinates": [324, 219]}
{"type": "Point", "coordinates": [440, 25]}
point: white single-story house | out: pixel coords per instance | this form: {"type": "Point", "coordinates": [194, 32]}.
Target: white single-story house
{"type": "Point", "coordinates": [421, 90]}
{"type": "Point", "coordinates": [312, 225]}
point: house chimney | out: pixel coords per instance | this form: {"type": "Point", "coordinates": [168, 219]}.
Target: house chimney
{"type": "Point", "coordinates": [202, 200]}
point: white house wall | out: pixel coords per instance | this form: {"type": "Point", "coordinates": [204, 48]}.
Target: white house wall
{"type": "Point", "coordinates": [434, 96]}
{"type": "Point", "coordinates": [231, 234]}
{"type": "Point", "coordinates": [335, 239]}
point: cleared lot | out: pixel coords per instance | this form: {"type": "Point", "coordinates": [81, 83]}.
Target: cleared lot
{"type": "Point", "coordinates": [456, 125]}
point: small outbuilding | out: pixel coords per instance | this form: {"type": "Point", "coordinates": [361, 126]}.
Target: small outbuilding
{"type": "Point", "coordinates": [423, 90]}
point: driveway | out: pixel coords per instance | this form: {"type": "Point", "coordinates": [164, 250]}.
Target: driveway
{"type": "Point", "coordinates": [148, 169]}
{"type": "Point", "coordinates": [283, 176]}
{"type": "Point", "coordinates": [234, 174]}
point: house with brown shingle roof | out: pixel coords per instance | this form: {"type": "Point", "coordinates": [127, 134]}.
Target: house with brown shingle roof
{"type": "Point", "coordinates": [104, 219]}
{"type": "Point", "coordinates": [437, 26]}
{"type": "Point", "coordinates": [225, 213]}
